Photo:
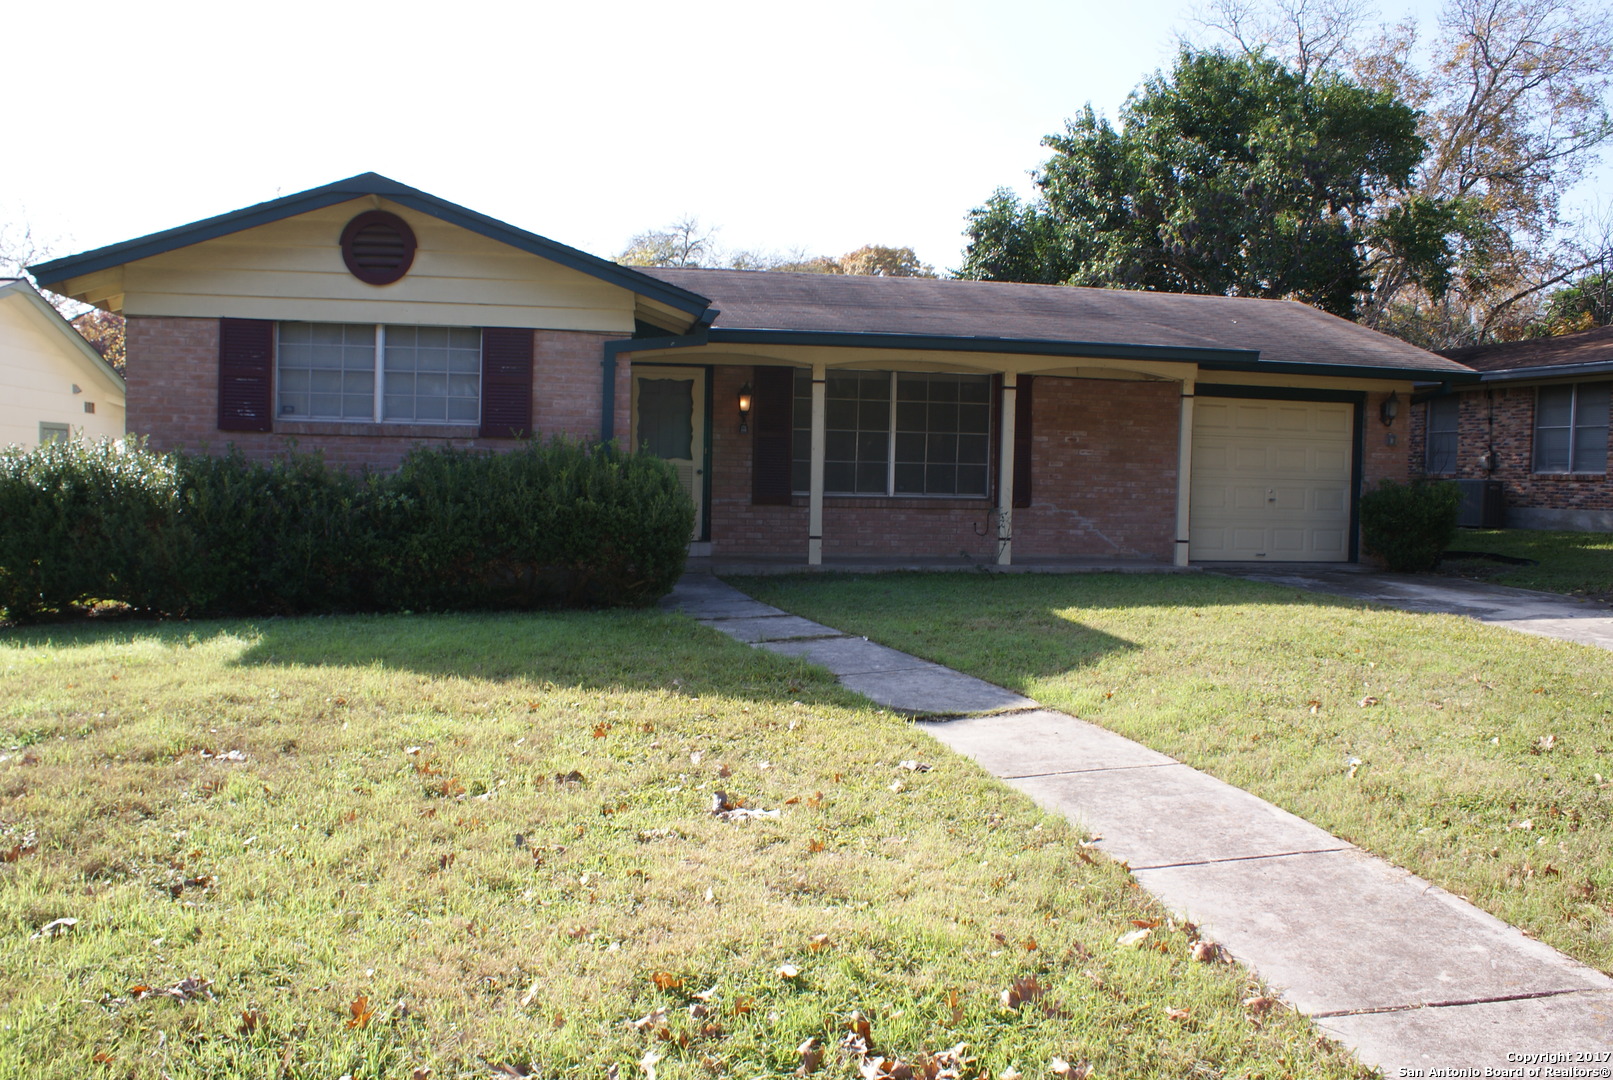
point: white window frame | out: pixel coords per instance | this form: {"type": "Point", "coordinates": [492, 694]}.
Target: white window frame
{"type": "Point", "coordinates": [378, 382]}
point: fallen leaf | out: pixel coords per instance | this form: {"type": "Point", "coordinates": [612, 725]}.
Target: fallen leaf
{"type": "Point", "coordinates": [1029, 944]}
{"type": "Point", "coordinates": [898, 787]}
{"type": "Point", "coordinates": [915, 766]}
{"type": "Point", "coordinates": [814, 846]}
{"type": "Point", "coordinates": [665, 980]}
{"type": "Point", "coordinates": [789, 971]}
{"type": "Point", "coordinates": [362, 1013]}
{"type": "Point", "coordinates": [1009, 1073]}
{"type": "Point", "coordinates": [817, 942]}
{"type": "Point", "coordinates": [655, 1018]}
{"type": "Point", "coordinates": [1178, 1014]}
{"type": "Point", "coordinates": [811, 1056]}
{"type": "Point", "coordinates": [250, 1022]}
{"type": "Point", "coordinates": [601, 729]}
{"type": "Point", "coordinates": [648, 1063]}
{"type": "Point", "coordinates": [1545, 743]}
{"type": "Point", "coordinates": [1135, 938]}
{"type": "Point", "coordinates": [1261, 1004]}
{"type": "Point", "coordinates": [1145, 924]}
{"type": "Point", "coordinates": [54, 929]}
{"type": "Point", "coordinates": [859, 1026]}
{"type": "Point", "coordinates": [101, 1057]}
{"type": "Point", "coordinates": [1367, 702]}
{"type": "Point", "coordinates": [1024, 989]}
{"type": "Point", "coordinates": [1206, 951]}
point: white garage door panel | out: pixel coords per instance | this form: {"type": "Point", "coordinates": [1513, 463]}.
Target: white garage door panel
{"type": "Point", "coordinates": [1271, 480]}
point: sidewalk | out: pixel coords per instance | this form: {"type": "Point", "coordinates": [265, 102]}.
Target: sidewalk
{"type": "Point", "coordinates": [1589, 622]}
{"type": "Point", "coordinates": [1404, 973]}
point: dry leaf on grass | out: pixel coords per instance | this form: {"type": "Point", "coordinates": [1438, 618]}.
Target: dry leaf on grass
{"type": "Point", "coordinates": [789, 971]}
{"type": "Point", "coordinates": [1178, 1014]}
{"type": "Point", "coordinates": [914, 766]}
{"type": "Point", "coordinates": [1206, 951]}
{"type": "Point", "coordinates": [54, 929]}
{"type": "Point", "coordinates": [811, 1056]}
{"type": "Point", "coordinates": [1024, 989]}
{"type": "Point", "coordinates": [1135, 938]}
{"type": "Point", "coordinates": [1260, 1005]}
{"type": "Point", "coordinates": [362, 1013]}
{"type": "Point", "coordinates": [665, 980]}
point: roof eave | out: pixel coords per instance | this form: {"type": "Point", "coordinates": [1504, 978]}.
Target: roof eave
{"type": "Point", "coordinates": [85, 350]}
{"type": "Point", "coordinates": [1211, 359]}
{"type": "Point", "coordinates": [1547, 371]}
{"type": "Point", "coordinates": [59, 270]}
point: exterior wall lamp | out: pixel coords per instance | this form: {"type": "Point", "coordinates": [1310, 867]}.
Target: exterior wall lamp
{"type": "Point", "coordinates": [1389, 409]}
{"type": "Point", "coordinates": [744, 409]}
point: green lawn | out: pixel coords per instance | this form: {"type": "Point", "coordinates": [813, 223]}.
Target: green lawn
{"type": "Point", "coordinates": [1475, 756]}
{"type": "Point", "coordinates": [1575, 563]}
{"type": "Point", "coordinates": [484, 846]}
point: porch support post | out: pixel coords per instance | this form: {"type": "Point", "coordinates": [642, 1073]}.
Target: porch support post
{"type": "Point", "coordinates": [1005, 471]}
{"type": "Point", "coordinates": [1184, 472]}
{"type": "Point", "coordinates": [820, 391]}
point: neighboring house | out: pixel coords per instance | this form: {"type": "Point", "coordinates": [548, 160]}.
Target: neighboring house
{"type": "Point", "coordinates": [53, 385]}
{"type": "Point", "coordinates": [810, 416]}
{"type": "Point", "coordinates": [1535, 427]}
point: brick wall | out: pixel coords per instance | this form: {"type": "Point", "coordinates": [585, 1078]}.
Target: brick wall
{"type": "Point", "coordinates": [1381, 459]}
{"type": "Point", "coordinates": [1503, 417]}
{"type": "Point", "coordinates": [1104, 484]}
{"type": "Point", "coordinates": [173, 399]}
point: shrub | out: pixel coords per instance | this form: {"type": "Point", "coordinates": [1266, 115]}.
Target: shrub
{"type": "Point", "coordinates": [546, 524]}
{"type": "Point", "coordinates": [178, 534]}
{"type": "Point", "coordinates": [87, 521]}
{"type": "Point", "coordinates": [1410, 525]}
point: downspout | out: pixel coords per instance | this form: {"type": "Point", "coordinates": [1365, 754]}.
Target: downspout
{"type": "Point", "coordinates": [613, 349]}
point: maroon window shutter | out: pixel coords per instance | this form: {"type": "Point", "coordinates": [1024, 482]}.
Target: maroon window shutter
{"type": "Point", "coordinates": [506, 382]}
{"type": "Point", "coordinates": [1022, 441]}
{"type": "Point", "coordinates": [245, 375]}
{"type": "Point", "coordinates": [772, 433]}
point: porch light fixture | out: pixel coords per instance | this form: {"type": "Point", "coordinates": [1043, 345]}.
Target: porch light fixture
{"type": "Point", "coordinates": [744, 409]}
{"type": "Point", "coordinates": [1389, 409]}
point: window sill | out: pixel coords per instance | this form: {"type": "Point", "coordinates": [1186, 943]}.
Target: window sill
{"type": "Point", "coordinates": [903, 502]}
{"type": "Point", "coordinates": [396, 431]}
{"type": "Point", "coordinates": [1571, 477]}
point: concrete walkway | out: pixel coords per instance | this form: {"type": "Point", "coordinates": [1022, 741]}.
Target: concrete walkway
{"type": "Point", "coordinates": [1589, 622]}
{"type": "Point", "coordinates": [1407, 975]}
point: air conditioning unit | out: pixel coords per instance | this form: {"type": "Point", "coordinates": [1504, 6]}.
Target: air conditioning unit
{"type": "Point", "coordinates": [1484, 504]}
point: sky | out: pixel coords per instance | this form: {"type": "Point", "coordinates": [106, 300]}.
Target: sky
{"type": "Point", "coordinates": [818, 127]}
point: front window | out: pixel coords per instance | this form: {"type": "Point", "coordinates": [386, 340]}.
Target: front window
{"type": "Point", "coordinates": [427, 374]}
{"type": "Point", "coordinates": [1571, 428]}
{"type": "Point", "coordinates": [1442, 437]}
{"type": "Point", "coordinates": [896, 433]}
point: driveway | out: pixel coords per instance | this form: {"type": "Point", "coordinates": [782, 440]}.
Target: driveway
{"type": "Point", "coordinates": [1588, 622]}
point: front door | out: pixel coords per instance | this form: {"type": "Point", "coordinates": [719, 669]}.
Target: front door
{"type": "Point", "coordinates": [669, 421]}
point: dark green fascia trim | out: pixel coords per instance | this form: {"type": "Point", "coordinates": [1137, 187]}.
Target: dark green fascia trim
{"type": "Point", "coordinates": [58, 270]}
{"type": "Point", "coordinates": [1547, 371]}
{"type": "Point", "coordinates": [1279, 393]}
{"type": "Point", "coordinates": [1358, 438]}
{"type": "Point", "coordinates": [945, 343]}
{"type": "Point", "coordinates": [1363, 371]}
{"type": "Point", "coordinates": [607, 365]}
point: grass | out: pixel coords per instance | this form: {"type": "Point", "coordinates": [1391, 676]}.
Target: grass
{"type": "Point", "coordinates": [1574, 563]}
{"type": "Point", "coordinates": [483, 846]}
{"type": "Point", "coordinates": [1474, 756]}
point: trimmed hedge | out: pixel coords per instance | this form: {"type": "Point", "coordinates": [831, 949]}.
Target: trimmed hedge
{"type": "Point", "coordinates": [545, 525]}
{"type": "Point", "coordinates": [1410, 525]}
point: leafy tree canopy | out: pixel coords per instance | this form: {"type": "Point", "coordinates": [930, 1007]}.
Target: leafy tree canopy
{"type": "Point", "coordinates": [1231, 176]}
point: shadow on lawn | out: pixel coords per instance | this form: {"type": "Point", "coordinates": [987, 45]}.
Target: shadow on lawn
{"type": "Point", "coordinates": [593, 650]}
{"type": "Point", "coordinates": [1029, 624]}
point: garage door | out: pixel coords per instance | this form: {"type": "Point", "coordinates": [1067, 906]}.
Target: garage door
{"type": "Point", "coordinates": [1271, 480]}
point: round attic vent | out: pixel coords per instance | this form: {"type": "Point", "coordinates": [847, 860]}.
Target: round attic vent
{"type": "Point", "coordinates": [378, 247]}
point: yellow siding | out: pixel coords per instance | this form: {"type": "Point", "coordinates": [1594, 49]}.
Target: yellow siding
{"type": "Point", "coordinates": [293, 269]}
{"type": "Point", "coordinates": [38, 368]}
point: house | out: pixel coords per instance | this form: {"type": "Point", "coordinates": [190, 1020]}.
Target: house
{"type": "Point", "coordinates": [1533, 430]}
{"type": "Point", "coordinates": [811, 417]}
{"type": "Point", "coordinates": [53, 385]}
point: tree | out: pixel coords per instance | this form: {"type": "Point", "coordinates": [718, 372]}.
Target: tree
{"type": "Point", "coordinates": [879, 261]}
{"type": "Point", "coordinates": [1513, 107]}
{"type": "Point", "coordinates": [1232, 176]}
{"type": "Point", "coordinates": [104, 331]}
{"type": "Point", "coordinates": [683, 243]}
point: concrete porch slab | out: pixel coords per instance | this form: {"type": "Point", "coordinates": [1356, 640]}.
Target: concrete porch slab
{"type": "Point", "coordinates": [1041, 741]}
{"type": "Point", "coordinates": [1344, 931]}
{"type": "Point", "coordinates": [1487, 1035]}
{"type": "Point", "coordinates": [1172, 815]}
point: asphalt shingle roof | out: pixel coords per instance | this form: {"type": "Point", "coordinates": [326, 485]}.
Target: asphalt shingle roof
{"type": "Point", "coordinates": [1283, 331]}
{"type": "Point", "coordinates": [1585, 347]}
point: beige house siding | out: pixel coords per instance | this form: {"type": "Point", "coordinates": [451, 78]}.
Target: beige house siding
{"type": "Point", "coordinates": [39, 366]}
{"type": "Point", "coordinates": [293, 270]}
